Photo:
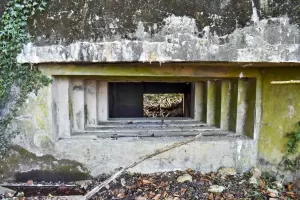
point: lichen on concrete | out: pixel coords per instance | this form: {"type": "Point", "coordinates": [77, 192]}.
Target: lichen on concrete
{"type": "Point", "coordinates": [201, 36]}
{"type": "Point", "coordinates": [271, 40]}
{"type": "Point", "coordinates": [278, 118]}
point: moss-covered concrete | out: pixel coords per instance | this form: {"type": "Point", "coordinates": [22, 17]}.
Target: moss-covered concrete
{"type": "Point", "coordinates": [154, 70]}
{"type": "Point", "coordinates": [20, 164]}
{"type": "Point", "coordinates": [281, 111]}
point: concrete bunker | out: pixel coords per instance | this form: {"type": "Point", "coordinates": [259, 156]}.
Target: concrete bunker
{"type": "Point", "coordinates": [227, 51]}
{"type": "Point", "coordinates": [112, 106]}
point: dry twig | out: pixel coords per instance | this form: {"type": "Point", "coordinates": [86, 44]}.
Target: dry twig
{"type": "Point", "coordinates": [119, 173]}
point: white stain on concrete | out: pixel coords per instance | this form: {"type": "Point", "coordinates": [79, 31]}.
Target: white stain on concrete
{"type": "Point", "coordinates": [254, 17]}
{"type": "Point", "coordinates": [178, 40]}
{"type": "Point", "coordinates": [291, 111]}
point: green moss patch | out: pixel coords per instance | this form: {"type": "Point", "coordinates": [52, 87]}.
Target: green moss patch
{"type": "Point", "coordinates": [22, 165]}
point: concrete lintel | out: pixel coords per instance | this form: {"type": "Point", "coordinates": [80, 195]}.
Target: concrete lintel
{"type": "Point", "coordinates": [241, 107]}
{"type": "Point", "coordinates": [211, 103]}
{"type": "Point", "coordinates": [225, 104]}
{"type": "Point", "coordinates": [146, 70]}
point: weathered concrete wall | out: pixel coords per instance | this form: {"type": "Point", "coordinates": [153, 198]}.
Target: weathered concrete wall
{"type": "Point", "coordinates": [162, 31]}
{"type": "Point", "coordinates": [281, 108]}
{"type": "Point", "coordinates": [147, 31]}
{"type": "Point", "coordinates": [103, 155]}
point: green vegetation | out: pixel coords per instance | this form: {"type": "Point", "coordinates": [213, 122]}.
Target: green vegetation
{"type": "Point", "coordinates": [291, 160]}
{"type": "Point", "coordinates": [16, 80]}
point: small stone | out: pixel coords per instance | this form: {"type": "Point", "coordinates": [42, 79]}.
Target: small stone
{"type": "Point", "coordinates": [227, 171]}
{"type": "Point", "coordinates": [4, 190]}
{"type": "Point", "coordinates": [20, 194]}
{"type": "Point", "coordinates": [84, 184]}
{"type": "Point", "coordinates": [253, 180]}
{"type": "Point", "coordinates": [146, 182]}
{"type": "Point", "coordinates": [140, 198]}
{"type": "Point", "coordinates": [216, 189]}
{"type": "Point", "coordinates": [272, 193]}
{"type": "Point", "coordinates": [185, 177]}
{"type": "Point", "coordinates": [255, 172]}
{"type": "Point", "coordinates": [123, 182]}
{"type": "Point", "coordinates": [121, 195]}
{"type": "Point", "coordinates": [9, 195]}
{"type": "Point", "coordinates": [157, 197]}
{"type": "Point", "coordinates": [278, 184]}
{"type": "Point", "coordinates": [30, 182]}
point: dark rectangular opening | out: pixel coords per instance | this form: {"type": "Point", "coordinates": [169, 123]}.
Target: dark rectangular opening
{"type": "Point", "coordinates": [131, 99]}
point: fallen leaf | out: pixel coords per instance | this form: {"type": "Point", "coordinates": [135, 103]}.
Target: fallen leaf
{"type": "Point", "coordinates": [211, 196]}
{"type": "Point", "coordinates": [141, 198]}
{"type": "Point", "coordinates": [146, 182]}
{"type": "Point", "coordinates": [183, 190]}
{"type": "Point", "coordinates": [176, 195]}
{"type": "Point", "coordinates": [165, 194]}
{"type": "Point", "coordinates": [262, 183]}
{"type": "Point", "coordinates": [157, 197]}
{"type": "Point", "coordinates": [272, 195]}
{"type": "Point", "coordinates": [151, 194]}
{"type": "Point", "coordinates": [121, 195]}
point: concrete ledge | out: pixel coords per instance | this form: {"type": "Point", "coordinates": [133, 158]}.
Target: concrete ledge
{"type": "Point", "coordinates": [208, 154]}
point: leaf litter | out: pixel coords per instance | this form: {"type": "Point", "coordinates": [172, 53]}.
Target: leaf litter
{"type": "Point", "coordinates": [165, 186]}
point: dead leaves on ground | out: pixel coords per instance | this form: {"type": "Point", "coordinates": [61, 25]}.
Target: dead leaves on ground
{"type": "Point", "coordinates": [164, 186]}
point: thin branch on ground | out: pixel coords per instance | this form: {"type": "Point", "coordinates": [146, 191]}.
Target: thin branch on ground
{"type": "Point", "coordinates": [142, 159]}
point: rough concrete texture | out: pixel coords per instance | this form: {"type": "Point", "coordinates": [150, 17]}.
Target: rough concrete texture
{"type": "Point", "coordinates": [161, 31]}
{"type": "Point", "coordinates": [106, 155]}
{"type": "Point", "coordinates": [278, 118]}
{"type": "Point", "coordinates": [22, 165]}
{"type": "Point", "coordinates": [272, 40]}
{"type": "Point", "coordinates": [281, 107]}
